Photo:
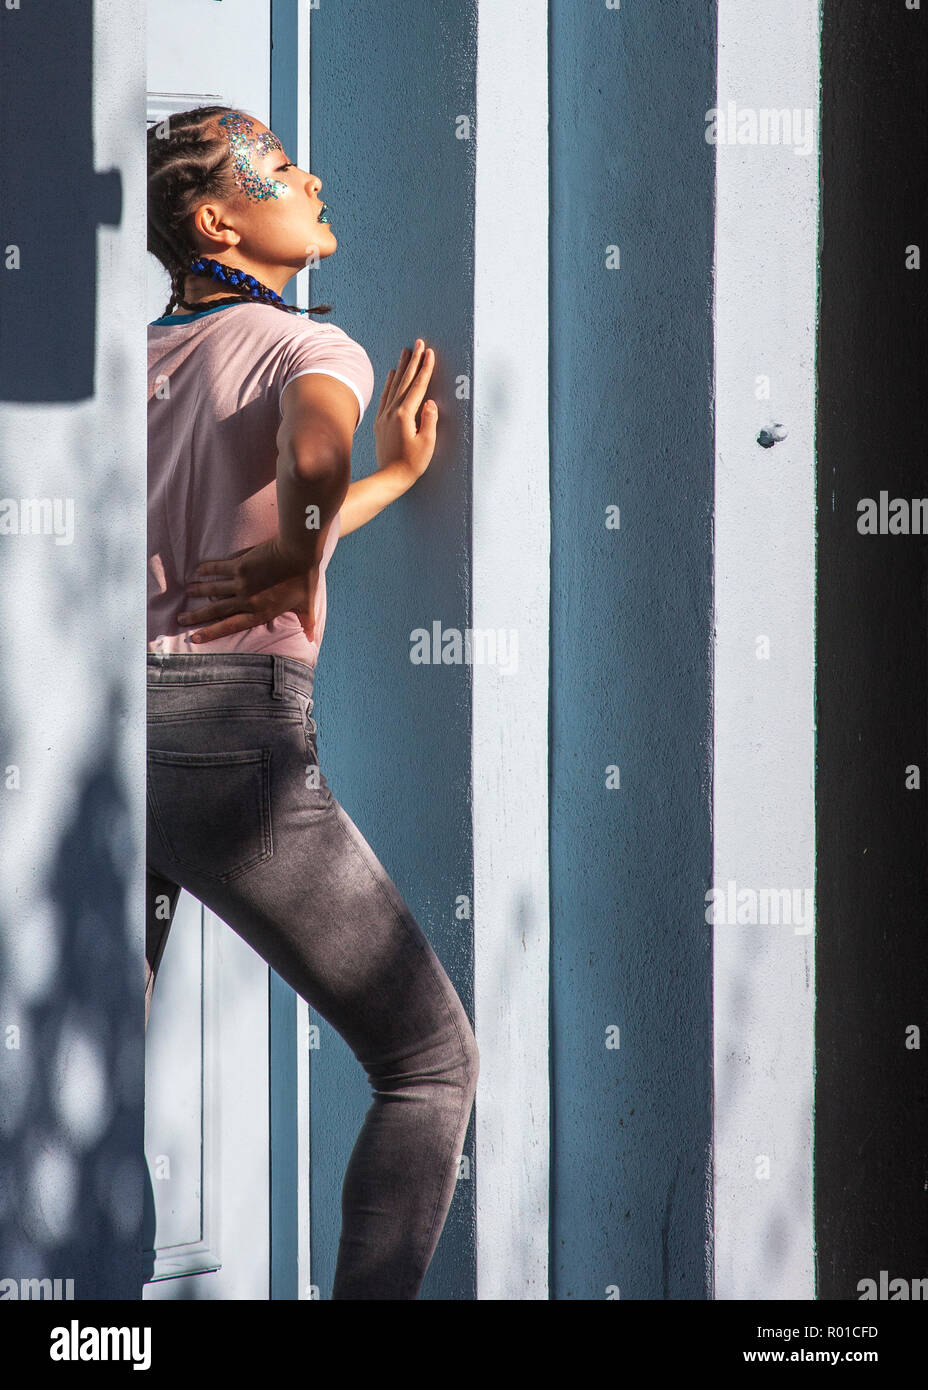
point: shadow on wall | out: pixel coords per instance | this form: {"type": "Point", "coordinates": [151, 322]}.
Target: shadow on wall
{"type": "Point", "coordinates": [71, 1142]}
{"type": "Point", "coordinates": [53, 202]}
{"type": "Point", "coordinates": [71, 1011]}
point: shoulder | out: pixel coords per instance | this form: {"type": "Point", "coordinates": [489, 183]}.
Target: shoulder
{"type": "Point", "coordinates": [307, 346]}
{"type": "Point", "coordinates": [325, 347]}
{"type": "Point", "coordinates": [305, 335]}
{"type": "Point", "coordinates": [322, 337]}
{"type": "Point", "coordinates": [301, 327]}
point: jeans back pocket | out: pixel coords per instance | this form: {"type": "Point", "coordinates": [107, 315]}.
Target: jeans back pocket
{"type": "Point", "coordinates": [212, 811]}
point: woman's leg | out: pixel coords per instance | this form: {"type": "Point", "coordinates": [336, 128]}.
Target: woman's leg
{"type": "Point", "coordinates": [241, 816]}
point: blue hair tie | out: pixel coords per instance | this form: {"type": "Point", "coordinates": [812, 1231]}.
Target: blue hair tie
{"type": "Point", "coordinates": [204, 265]}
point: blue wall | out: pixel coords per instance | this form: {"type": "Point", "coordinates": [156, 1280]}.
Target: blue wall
{"type": "Point", "coordinates": [631, 369]}
{"type": "Point", "coordinates": [631, 373]}
{"type": "Point", "coordinates": [394, 738]}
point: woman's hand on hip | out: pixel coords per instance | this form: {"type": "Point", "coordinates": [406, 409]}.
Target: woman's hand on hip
{"type": "Point", "coordinates": [401, 443]}
{"type": "Point", "coordinates": [248, 589]}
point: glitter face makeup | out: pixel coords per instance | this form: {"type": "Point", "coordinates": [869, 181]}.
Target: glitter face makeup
{"type": "Point", "coordinates": [241, 144]}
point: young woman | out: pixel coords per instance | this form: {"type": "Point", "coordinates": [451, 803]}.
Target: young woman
{"type": "Point", "coordinates": [252, 410]}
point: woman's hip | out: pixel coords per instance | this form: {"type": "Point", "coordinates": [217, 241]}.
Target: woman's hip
{"type": "Point", "coordinates": [210, 678]}
{"type": "Point", "coordinates": [232, 761]}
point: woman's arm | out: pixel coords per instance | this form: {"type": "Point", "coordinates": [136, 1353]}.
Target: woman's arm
{"type": "Point", "coordinates": [368, 496]}
{"type": "Point", "coordinates": [314, 441]}
{"type": "Point", "coordinates": [404, 450]}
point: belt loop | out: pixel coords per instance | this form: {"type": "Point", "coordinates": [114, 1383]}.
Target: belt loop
{"type": "Point", "coordinates": [278, 692]}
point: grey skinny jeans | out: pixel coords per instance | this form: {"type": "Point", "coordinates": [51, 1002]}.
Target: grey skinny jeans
{"type": "Point", "coordinates": [240, 815]}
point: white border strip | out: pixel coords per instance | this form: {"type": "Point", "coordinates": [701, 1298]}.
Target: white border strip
{"type": "Point", "coordinates": [304, 1148]}
{"type": "Point", "coordinates": [511, 554]}
{"type": "Point", "coordinates": [301, 281]}
{"type": "Point", "coordinates": [764, 806]}
{"type": "Point", "coordinates": [304, 1155]}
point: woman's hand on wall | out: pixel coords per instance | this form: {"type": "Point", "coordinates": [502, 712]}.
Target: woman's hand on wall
{"type": "Point", "coordinates": [401, 444]}
{"type": "Point", "coordinates": [404, 450]}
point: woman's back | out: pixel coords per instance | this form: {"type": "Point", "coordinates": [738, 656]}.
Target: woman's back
{"type": "Point", "coordinates": [215, 380]}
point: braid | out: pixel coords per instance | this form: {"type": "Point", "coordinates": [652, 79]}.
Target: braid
{"type": "Point", "coordinates": [191, 165]}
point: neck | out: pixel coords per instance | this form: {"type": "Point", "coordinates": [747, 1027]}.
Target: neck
{"type": "Point", "coordinates": [203, 287]}
{"type": "Point", "coordinates": [206, 299]}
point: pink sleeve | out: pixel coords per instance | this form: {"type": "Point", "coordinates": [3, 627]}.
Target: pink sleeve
{"type": "Point", "coordinates": [328, 349]}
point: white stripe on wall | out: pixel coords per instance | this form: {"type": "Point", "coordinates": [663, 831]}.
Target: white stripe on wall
{"type": "Point", "coordinates": [764, 812]}
{"type": "Point", "coordinates": [303, 153]}
{"type": "Point", "coordinates": [511, 548]}
{"type": "Point", "coordinates": [304, 1148]}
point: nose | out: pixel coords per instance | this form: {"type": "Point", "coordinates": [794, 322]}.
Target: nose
{"type": "Point", "coordinates": [315, 183]}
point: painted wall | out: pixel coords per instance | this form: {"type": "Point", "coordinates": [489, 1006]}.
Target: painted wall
{"type": "Point", "coordinates": [72, 691]}
{"type": "Point", "coordinates": [395, 736]}
{"type": "Point", "coordinates": [636, 219]}
{"type": "Point", "coordinates": [767, 195]}
{"type": "Point", "coordinates": [871, 1093]}
{"type": "Point", "coordinates": [511, 565]}
{"type": "Point", "coordinates": [631, 648]}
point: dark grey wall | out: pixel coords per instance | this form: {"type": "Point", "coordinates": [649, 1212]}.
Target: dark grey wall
{"type": "Point", "coordinates": [871, 1098]}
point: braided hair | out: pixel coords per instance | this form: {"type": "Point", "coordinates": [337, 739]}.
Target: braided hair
{"type": "Point", "coordinates": [191, 165]}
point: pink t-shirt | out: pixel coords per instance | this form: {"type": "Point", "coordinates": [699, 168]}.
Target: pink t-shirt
{"type": "Point", "coordinates": [215, 379]}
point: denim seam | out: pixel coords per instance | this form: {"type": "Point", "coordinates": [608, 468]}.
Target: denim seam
{"type": "Point", "coordinates": [174, 716]}
{"type": "Point", "coordinates": [295, 687]}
